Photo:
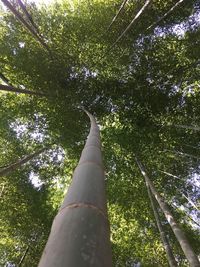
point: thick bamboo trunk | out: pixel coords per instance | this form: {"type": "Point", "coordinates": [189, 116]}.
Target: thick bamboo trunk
{"type": "Point", "coordinates": [23, 257]}
{"type": "Point", "coordinates": [26, 25]}
{"type": "Point", "coordinates": [9, 88]}
{"type": "Point", "coordinates": [187, 249]}
{"type": "Point", "coordinates": [80, 232]}
{"type": "Point", "coordinates": [19, 163]}
{"type": "Point", "coordinates": [167, 247]}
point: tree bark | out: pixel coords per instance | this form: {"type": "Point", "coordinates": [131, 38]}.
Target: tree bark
{"type": "Point", "coordinates": [187, 249]}
{"type": "Point", "coordinates": [167, 247]}
{"type": "Point", "coordinates": [23, 257]}
{"type": "Point", "coordinates": [19, 163]}
{"type": "Point", "coordinates": [27, 26]}
{"type": "Point", "coordinates": [9, 88]}
{"type": "Point", "coordinates": [80, 232]}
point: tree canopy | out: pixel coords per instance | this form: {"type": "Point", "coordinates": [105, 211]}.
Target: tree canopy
{"type": "Point", "coordinates": [143, 87]}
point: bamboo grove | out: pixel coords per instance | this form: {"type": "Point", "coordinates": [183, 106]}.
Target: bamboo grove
{"type": "Point", "coordinates": [132, 68]}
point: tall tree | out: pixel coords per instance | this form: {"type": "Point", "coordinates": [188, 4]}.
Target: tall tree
{"type": "Point", "coordinates": [25, 24]}
{"type": "Point", "coordinates": [12, 167]}
{"type": "Point", "coordinates": [187, 249]}
{"type": "Point", "coordinates": [9, 88]}
{"type": "Point", "coordinates": [166, 244]}
{"type": "Point", "coordinates": [23, 257]}
{"type": "Point", "coordinates": [80, 231]}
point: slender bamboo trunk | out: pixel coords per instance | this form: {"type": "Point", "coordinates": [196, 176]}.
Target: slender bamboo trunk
{"type": "Point", "coordinates": [23, 257]}
{"type": "Point", "coordinates": [29, 17]}
{"type": "Point", "coordinates": [4, 79]}
{"type": "Point", "coordinates": [195, 128]}
{"type": "Point", "coordinates": [19, 163]}
{"type": "Point", "coordinates": [191, 146]}
{"type": "Point", "coordinates": [9, 88]}
{"type": "Point", "coordinates": [118, 13]}
{"type": "Point", "coordinates": [165, 15]}
{"type": "Point", "coordinates": [27, 26]}
{"type": "Point", "coordinates": [80, 232]}
{"type": "Point", "coordinates": [131, 23]}
{"type": "Point", "coordinates": [182, 154]}
{"type": "Point", "coordinates": [186, 215]}
{"type": "Point", "coordinates": [167, 247]}
{"type": "Point", "coordinates": [2, 189]}
{"type": "Point", "coordinates": [190, 201]}
{"type": "Point", "coordinates": [187, 249]}
{"type": "Point", "coordinates": [178, 178]}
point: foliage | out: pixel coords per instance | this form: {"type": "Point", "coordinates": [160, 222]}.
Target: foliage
{"type": "Point", "coordinates": [141, 91]}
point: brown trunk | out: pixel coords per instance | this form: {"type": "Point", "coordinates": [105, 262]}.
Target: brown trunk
{"type": "Point", "coordinates": [19, 163]}
{"type": "Point", "coordinates": [80, 232]}
{"type": "Point", "coordinates": [9, 88]}
{"type": "Point", "coordinates": [187, 249]}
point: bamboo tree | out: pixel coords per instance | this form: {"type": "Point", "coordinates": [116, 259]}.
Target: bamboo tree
{"type": "Point", "coordinates": [187, 249]}
{"type": "Point", "coordinates": [167, 247]}
{"type": "Point", "coordinates": [182, 154]}
{"type": "Point", "coordinates": [194, 128]}
{"type": "Point", "coordinates": [190, 201]}
{"type": "Point", "coordinates": [9, 88]}
{"type": "Point", "coordinates": [178, 178]}
{"type": "Point", "coordinates": [29, 17]}
{"type": "Point", "coordinates": [20, 162]}
{"type": "Point", "coordinates": [118, 13]}
{"type": "Point", "coordinates": [165, 15]}
{"type": "Point", "coordinates": [25, 24]}
{"type": "Point", "coordinates": [131, 23]}
{"type": "Point", "coordinates": [23, 257]}
{"type": "Point", "coordinates": [4, 79]}
{"type": "Point", "coordinates": [80, 231]}
{"type": "Point", "coordinates": [2, 189]}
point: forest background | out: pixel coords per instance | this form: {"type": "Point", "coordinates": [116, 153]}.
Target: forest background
{"type": "Point", "coordinates": [142, 86]}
